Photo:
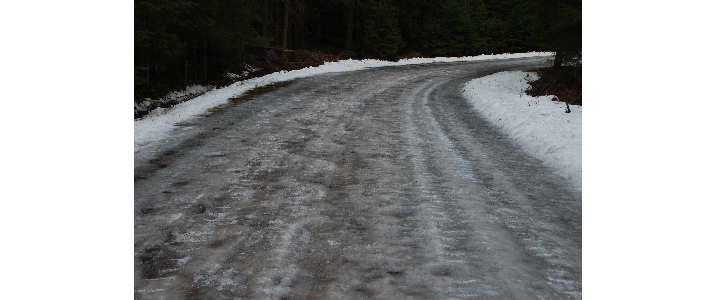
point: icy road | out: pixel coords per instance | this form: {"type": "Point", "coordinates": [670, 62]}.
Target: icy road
{"type": "Point", "coordinates": [381, 183]}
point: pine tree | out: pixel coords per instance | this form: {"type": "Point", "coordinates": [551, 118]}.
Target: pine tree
{"type": "Point", "coordinates": [382, 37]}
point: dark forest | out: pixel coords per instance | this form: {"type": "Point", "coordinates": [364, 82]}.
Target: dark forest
{"type": "Point", "coordinates": [185, 42]}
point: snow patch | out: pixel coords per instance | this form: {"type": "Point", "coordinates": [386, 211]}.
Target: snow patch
{"type": "Point", "coordinates": [540, 126]}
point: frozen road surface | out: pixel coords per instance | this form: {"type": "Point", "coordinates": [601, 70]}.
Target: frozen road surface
{"type": "Point", "coordinates": [381, 183]}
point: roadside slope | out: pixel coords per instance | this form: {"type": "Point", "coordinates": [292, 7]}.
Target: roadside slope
{"type": "Point", "coordinates": [540, 126]}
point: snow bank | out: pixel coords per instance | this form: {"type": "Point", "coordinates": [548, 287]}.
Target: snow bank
{"type": "Point", "coordinates": [172, 98]}
{"type": "Point", "coordinates": [538, 124]}
{"type": "Point", "coordinates": [154, 126]}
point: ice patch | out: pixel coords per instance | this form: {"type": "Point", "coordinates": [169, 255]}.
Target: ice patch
{"type": "Point", "coordinates": [175, 217]}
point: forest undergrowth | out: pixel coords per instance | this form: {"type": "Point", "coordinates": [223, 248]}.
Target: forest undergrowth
{"type": "Point", "coordinates": [563, 82]}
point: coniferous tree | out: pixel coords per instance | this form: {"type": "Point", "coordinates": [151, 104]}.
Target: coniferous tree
{"type": "Point", "coordinates": [556, 26]}
{"type": "Point", "coordinates": [382, 37]}
{"type": "Point", "coordinates": [183, 42]}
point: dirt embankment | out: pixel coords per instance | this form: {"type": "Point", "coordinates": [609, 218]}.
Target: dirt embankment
{"type": "Point", "coordinates": [564, 83]}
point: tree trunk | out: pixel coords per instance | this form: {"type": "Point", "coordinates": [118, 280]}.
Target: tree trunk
{"type": "Point", "coordinates": [265, 23]}
{"type": "Point", "coordinates": [318, 30]}
{"type": "Point", "coordinates": [350, 29]}
{"type": "Point", "coordinates": [205, 60]}
{"type": "Point", "coordinates": [286, 23]}
{"type": "Point", "coordinates": [558, 59]}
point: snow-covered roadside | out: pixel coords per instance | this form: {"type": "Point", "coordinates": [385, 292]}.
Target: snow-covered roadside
{"type": "Point", "coordinates": [172, 98]}
{"type": "Point", "coordinates": [154, 126]}
{"type": "Point", "coordinates": [538, 124]}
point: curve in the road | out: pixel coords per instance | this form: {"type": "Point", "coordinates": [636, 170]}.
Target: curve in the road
{"type": "Point", "coordinates": [381, 183]}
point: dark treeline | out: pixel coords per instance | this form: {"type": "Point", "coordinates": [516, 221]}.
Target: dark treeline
{"type": "Point", "coordinates": [182, 42]}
